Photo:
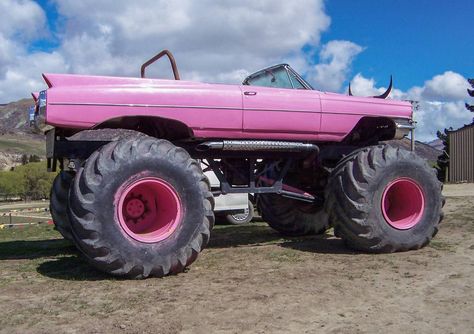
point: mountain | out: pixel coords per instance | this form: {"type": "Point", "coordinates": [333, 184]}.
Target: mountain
{"type": "Point", "coordinates": [16, 137]}
{"type": "Point", "coordinates": [437, 144]}
{"type": "Point", "coordinates": [14, 117]}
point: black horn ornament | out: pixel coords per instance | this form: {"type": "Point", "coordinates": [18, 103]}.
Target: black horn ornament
{"type": "Point", "coordinates": [382, 96]}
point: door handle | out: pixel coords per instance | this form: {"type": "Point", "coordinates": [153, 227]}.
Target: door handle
{"type": "Point", "coordinates": [250, 93]}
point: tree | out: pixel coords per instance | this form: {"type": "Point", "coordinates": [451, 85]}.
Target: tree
{"type": "Point", "coordinates": [11, 185]}
{"type": "Point", "coordinates": [34, 158]}
{"type": "Point", "coordinates": [470, 107]}
{"type": "Point", "coordinates": [443, 158]}
{"type": "Point", "coordinates": [36, 181]}
{"type": "Point", "coordinates": [24, 159]}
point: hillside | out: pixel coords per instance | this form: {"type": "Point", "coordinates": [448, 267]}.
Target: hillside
{"type": "Point", "coordinates": [437, 144]}
{"type": "Point", "coordinates": [16, 137]}
{"type": "Point", "coordinates": [14, 117]}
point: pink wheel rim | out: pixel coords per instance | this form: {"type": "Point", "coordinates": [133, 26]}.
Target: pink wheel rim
{"type": "Point", "coordinates": [403, 203]}
{"type": "Point", "coordinates": [149, 210]}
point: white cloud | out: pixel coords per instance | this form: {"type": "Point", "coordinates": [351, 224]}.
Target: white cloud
{"type": "Point", "coordinates": [24, 76]}
{"type": "Point", "coordinates": [362, 86]}
{"type": "Point", "coordinates": [212, 41]}
{"type": "Point", "coordinates": [209, 39]}
{"type": "Point", "coordinates": [21, 22]}
{"type": "Point", "coordinates": [22, 19]}
{"type": "Point", "coordinates": [336, 58]}
{"type": "Point", "coordinates": [437, 111]}
{"type": "Point", "coordinates": [445, 87]}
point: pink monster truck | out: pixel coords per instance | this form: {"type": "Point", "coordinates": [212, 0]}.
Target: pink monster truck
{"type": "Point", "coordinates": [132, 196]}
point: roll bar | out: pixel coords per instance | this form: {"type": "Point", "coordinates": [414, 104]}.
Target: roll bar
{"type": "Point", "coordinates": [158, 56]}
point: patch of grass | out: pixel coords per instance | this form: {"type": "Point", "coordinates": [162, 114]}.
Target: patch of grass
{"type": "Point", "coordinates": [224, 236]}
{"type": "Point", "coordinates": [285, 255]}
{"type": "Point", "coordinates": [441, 245]}
{"type": "Point", "coordinates": [35, 232]}
{"type": "Point", "coordinates": [17, 145]}
{"type": "Point", "coordinates": [21, 206]}
{"type": "Point", "coordinates": [24, 220]}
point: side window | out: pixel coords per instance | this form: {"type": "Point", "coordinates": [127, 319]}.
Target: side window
{"type": "Point", "coordinates": [296, 83]}
{"type": "Point", "coordinates": [277, 78]}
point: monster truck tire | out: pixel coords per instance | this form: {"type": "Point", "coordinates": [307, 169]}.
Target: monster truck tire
{"type": "Point", "coordinates": [59, 195]}
{"type": "Point", "coordinates": [288, 216]}
{"type": "Point", "coordinates": [141, 207]}
{"type": "Point", "coordinates": [59, 198]}
{"type": "Point", "coordinates": [384, 199]}
{"type": "Point", "coordinates": [291, 217]}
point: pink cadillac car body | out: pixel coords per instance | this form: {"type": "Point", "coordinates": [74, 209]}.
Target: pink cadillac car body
{"type": "Point", "coordinates": [214, 110]}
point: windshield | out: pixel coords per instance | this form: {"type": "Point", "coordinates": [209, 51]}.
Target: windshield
{"type": "Point", "coordinates": [279, 76]}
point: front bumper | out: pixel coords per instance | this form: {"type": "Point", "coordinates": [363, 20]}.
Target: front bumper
{"type": "Point", "coordinates": [403, 127]}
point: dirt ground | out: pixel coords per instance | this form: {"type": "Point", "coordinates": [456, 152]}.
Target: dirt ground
{"type": "Point", "coordinates": [249, 280]}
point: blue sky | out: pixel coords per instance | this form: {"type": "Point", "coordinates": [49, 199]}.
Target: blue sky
{"type": "Point", "coordinates": [424, 44]}
{"type": "Point", "coordinates": [413, 40]}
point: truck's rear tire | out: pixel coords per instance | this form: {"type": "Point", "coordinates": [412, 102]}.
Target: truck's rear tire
{"type": "Point", "coordinates": [292, 217]}
{"type": "Point", "coordinates": [141, 207]}
{"type": "Point", "coordinates": [59, 195]}
{"type": "Point", "coordinates": [59, 198]}
{"type": "Point", "coordinates": [384, 199]}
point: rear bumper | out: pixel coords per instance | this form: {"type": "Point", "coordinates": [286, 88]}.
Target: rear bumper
{"type": "Point", "coordinates": [39, 119]}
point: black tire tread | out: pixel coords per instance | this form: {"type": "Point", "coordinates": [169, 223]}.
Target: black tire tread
{"type": "Point", "coordinates": [347, 202]}
{"type": "Point", "coordinates": [87, 231]}
{"type": "Point", "coordinates": [59, 198]}
{"type": "Point", "coordinates": [282, 215]}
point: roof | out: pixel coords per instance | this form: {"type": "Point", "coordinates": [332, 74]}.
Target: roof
{"type": "Point", "coordinates": [465, 127]}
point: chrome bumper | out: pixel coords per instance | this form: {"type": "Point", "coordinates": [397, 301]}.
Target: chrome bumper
{"type": "Point", "coordinates": [403, 127]}
{"type": "Point", "coordinates": [40, 114]}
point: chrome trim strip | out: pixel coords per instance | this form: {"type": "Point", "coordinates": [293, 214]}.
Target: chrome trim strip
{"type": "Point", "coordinates": [135, 105]}
{"type": "Point", "coordinates": [171, 106]}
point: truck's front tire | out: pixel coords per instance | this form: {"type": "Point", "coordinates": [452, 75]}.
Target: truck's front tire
{"type": "Point", "coordinates": [384, 199]}
{"type": "Point", "coordinates": [141, 207]}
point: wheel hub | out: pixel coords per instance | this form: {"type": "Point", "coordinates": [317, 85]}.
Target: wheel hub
{"type": "Point", "coordinates": [135, 208]}
{"type": "Point", "coordinates": [149, 210]}
{"type": "Point", "coordinates": [403, 203]}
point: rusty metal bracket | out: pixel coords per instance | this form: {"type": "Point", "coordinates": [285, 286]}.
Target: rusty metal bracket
{"type": "Point", "coordinates": [158, 56]}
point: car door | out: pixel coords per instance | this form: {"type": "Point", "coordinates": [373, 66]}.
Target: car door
{"type": "Point", "coordinates": [281, 111]}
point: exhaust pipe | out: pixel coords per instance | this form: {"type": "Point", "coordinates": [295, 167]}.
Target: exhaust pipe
{"type": "Point", "coordinates": [257, 145]}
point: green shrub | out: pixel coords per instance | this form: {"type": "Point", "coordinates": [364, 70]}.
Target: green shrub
{"type": "Point", "coordinates": [29, 181]}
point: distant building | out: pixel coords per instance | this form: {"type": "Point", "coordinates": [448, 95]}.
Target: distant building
{"type": "Point", "coordinates": [461, 154]}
